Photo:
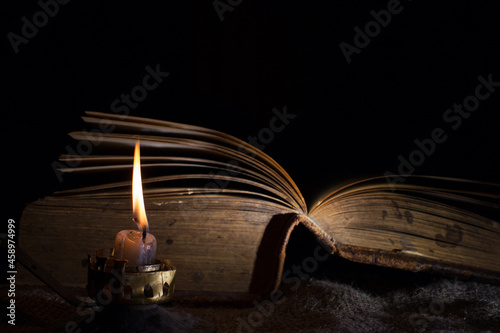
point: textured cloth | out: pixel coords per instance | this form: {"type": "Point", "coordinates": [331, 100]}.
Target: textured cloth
{"type": "Point", "coordinates": [325, 306]}
{"type": "Point", "coordinates": [442, 305]}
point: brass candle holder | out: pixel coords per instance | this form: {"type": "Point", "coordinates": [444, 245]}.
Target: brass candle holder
{"type": "Point", "coordinates": [111, 281]}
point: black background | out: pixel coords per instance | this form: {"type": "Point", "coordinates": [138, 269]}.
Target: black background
{"type": "Point", "coordinates": [353, 120]}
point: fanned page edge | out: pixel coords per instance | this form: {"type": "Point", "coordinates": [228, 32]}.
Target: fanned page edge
{"type": "Point", "coordinates": [381, 182]}
{"type": "Point", "coordinates": [205, 135]}
{"type": "Point", "coordinates": [207, 140]}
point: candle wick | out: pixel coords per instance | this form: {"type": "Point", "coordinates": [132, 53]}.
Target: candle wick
{"type": "Point", "coordinates": [144, 235]}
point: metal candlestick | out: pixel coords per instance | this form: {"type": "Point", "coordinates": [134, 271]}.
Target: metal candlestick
{"type": "Point", "coordinates": [111, 281]}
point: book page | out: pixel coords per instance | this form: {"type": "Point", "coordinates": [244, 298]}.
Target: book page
{"type": "Point", "coordinates": [429, 224]}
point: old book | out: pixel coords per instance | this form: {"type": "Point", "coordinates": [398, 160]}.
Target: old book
{"type": "Point", "coordinates": [223, 212]}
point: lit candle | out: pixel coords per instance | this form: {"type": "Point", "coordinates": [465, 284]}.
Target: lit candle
{"type": "Point", "coordinates": [130, 245]}
{"type": "Point", "coordinates": [136, 246]}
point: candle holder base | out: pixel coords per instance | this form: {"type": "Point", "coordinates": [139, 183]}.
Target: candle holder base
{"type": "Point", "coordinates": [111, 281]}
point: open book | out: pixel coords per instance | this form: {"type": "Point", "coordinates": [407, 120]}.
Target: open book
{"type": "Point", "coordinates": [223, 211]}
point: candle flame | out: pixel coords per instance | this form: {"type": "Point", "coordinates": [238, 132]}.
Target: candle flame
{"type": "Point", "coordinates": [138, 207]}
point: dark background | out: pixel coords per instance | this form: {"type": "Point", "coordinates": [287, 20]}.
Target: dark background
{"type": "Point", "coordinates": [353, 120]}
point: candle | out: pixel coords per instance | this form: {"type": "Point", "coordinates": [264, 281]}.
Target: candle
{"type": "Point", "coordinates": [136, 246]}
{"type": "Point", "coordinates": [130, 245]}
